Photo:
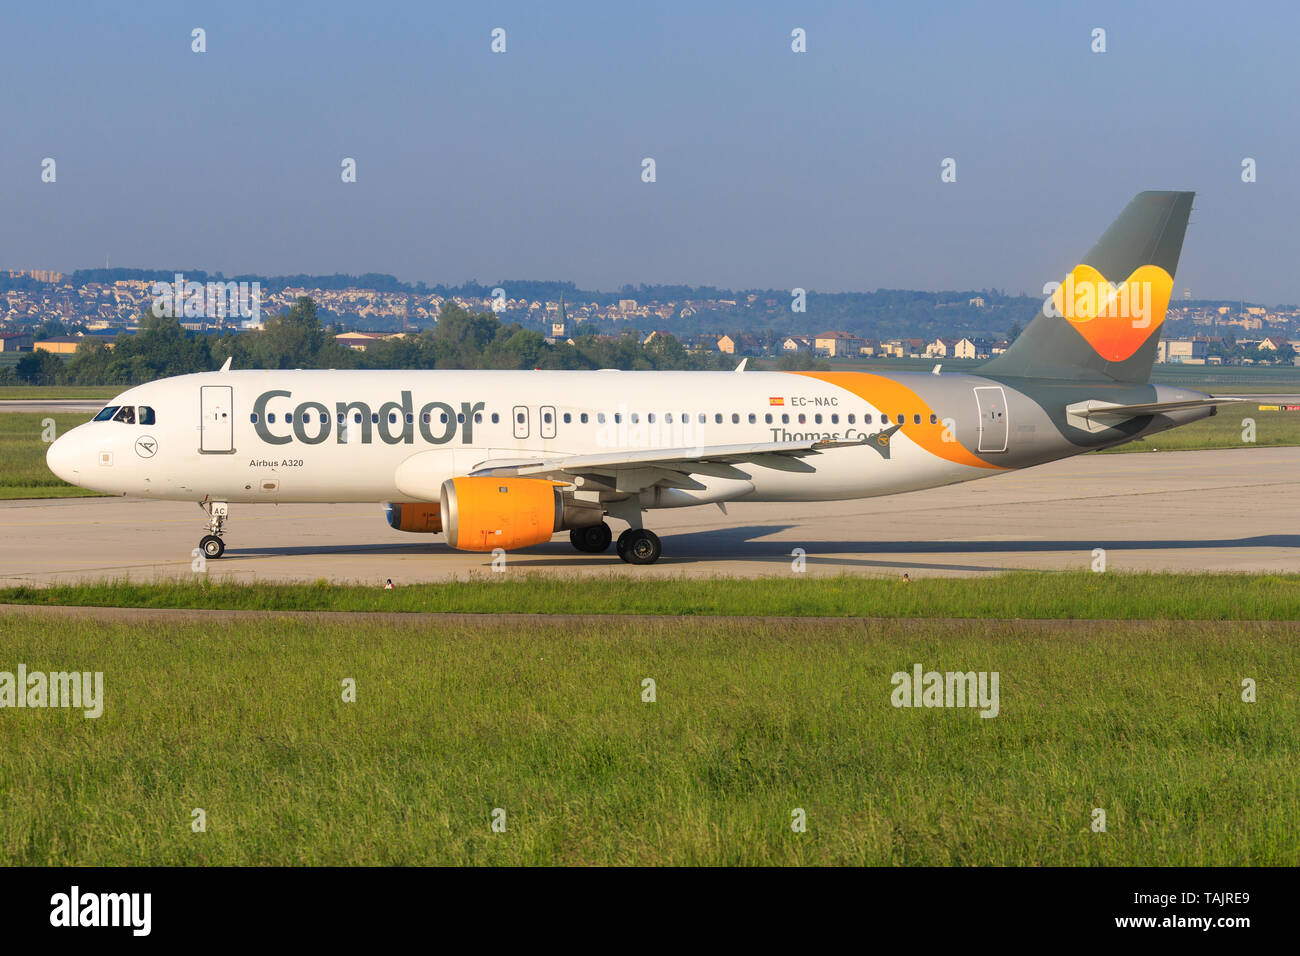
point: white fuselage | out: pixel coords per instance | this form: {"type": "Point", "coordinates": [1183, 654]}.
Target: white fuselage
{"type": "Point", "coordinates": [373, 436]}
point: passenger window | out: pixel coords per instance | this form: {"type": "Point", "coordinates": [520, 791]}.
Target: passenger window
{"type": "Point", "coordinates": [818, 418]}
{"type": "Point", "coordinates": [324, 418]}
{"type": "Point", "coordinates": [253, 418]}
{"type": "Point", "coordinates": [270, 417]}
{"type": "Point", "coordinates": [600, 418]}
{"type": "Point", "coordinates": [934, 419]}
{"type": "Point", "coordinates": [866, 419]}
{"type": "Point", "coordinates": [567, 418]}
{"type": "Point", "coordinates": [146, 415]}
{"type": "Point", "coordinates": [803, 419]}
{"type": "Point", "coordinates": [785, 418]}
{"type": "Point", "coordinates": [342, 418]}
{"type": "Point", "coordinates": [735, 419]}
{"type": "Point", "coordinates": [374, 418]}
{"type": "Point", "coordinates": [495, 418]}
{"type": "Point", "coordinates": [478, 418]}
{"type": "Point", "coordinates": [752, 418]}
{"type": "Point", "coordinates": [519, 418]}
{"type": "Point", "coordinates": [650, 418]}
{"type": "Point", "coordinates": [424, 419]}
{"type": "Point", "coordinates": [442, 418]}
{"type": "Point", "coordinates": [583, 418]}
{"type": "Point", "coordinates": [356, 417]}
{"type": "Point", "coordinates": [546, 417]}
{"type": "Point", "coordinates": [900, 419]}
{"type": "Point", "coordinates": [460, 418]}
{"type": "Point", "coordinates": [703, 418]}
{"type": "Point", "coordinates": [126, 415]}
{"type": "Point", "coordinates": [768, 418]}
{"type": "Point", "coordinates": [107, 413]}
{"type": "Point", "coordinates": [410, 419]}
{"type": "Point", "coordinates": [835, 419]}
{"type": "Point", "coordinates": [635, 418]}
{"type": "Point", "coordinates": [668, 418]}
{"type": "Point", "coordinates": [392, 418]}
{"type": "Point", "coordinates": [717, 418]}
{"type": "Point", "coordinates": [916, 419]}
{"type": "Point", "coordinates": [618, 418]}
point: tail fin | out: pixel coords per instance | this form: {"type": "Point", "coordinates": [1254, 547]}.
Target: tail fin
{"type": "Point", "coordinates": [1103, 323]}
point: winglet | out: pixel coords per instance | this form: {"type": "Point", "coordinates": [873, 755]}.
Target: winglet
{"type": "Point", "coordinates": [741, 366]}
{"type": "Point", "coordinates": [226, 367]}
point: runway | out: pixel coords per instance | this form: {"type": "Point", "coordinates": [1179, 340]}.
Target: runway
{"type": "Point", "coordinates": [1233, 510]}
{"type": "Point", "coordinates": [52, 405]}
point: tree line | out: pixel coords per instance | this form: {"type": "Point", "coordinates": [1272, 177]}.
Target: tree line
{"type": "Point", "coordinates": [461, 339]}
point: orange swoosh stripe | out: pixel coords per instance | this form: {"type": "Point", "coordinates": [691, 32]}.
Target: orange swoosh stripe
{"type": "Point", "coordinates": [891, 397]}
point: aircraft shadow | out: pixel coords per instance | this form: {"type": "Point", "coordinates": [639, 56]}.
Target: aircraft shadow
{"type": "Point", "coordinates": [753, 544]}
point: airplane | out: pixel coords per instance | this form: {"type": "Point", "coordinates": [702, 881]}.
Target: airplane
{"type": "Point", "coordinates": [506, 459]}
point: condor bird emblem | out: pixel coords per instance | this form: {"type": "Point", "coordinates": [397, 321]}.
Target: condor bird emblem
{"type": "Point", "coordinates": [146, 446]}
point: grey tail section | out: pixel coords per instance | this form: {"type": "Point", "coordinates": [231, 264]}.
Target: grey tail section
{"type": "Point", "coordinates": [1148, 232]}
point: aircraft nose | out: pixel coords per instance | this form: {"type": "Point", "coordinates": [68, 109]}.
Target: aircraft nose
{"type": "Point", "coordinates": [62, 459]}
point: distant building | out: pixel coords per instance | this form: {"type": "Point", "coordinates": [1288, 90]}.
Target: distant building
{"type": "Point", "coordinates": [793, 344]}
{"type": "Point", "coordinates": [837, 344]}
{"type": "Point", "coordinates": [67, 344]}
{"type": "Point", "coordinates": [359, 340]}
{"type": "Point", "coordinates": [1183, 351]}
{"type": "Point", "coordinates": [15, 342]}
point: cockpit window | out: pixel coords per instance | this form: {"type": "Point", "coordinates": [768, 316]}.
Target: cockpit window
{"type": "Point", "coordinates": [107, 413]}
{"type": "Point", "coordinates": [146, 415]}
{"type": "Point", "coordinates": [125, 414]}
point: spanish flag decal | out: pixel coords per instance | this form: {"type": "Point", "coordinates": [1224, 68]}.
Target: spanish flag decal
{"type": "Point", "coordinates": [776, 401]}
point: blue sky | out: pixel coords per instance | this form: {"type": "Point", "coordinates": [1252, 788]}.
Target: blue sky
{"type": "Point", "coordinates": [774, 169]}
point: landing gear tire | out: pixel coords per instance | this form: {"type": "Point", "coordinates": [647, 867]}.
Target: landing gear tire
{"type": "Point", "coordinates": [593, 539]}
{"type": "Point", "coordinates": [212, 546]}
{"type": "Point", "coordinates": [639, 546]}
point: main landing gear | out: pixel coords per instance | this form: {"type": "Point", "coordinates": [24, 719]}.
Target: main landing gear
{"type": "Point", "coordinates": [593, 539]}
{"type": "Point", "coordinates": [635, 545]}
{"type": "Point", "coordinates": [211, 545]}
{"type": "Point", "coordinates": [639, 546]}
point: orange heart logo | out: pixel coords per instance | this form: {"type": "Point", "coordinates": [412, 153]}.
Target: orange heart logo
{"type": "Point", "coordinates": [1114, 319]}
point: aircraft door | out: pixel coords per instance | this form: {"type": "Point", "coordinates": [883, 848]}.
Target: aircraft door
{"type": "Point", "coordinates": [992, 402]}
{"type": "Point", "coordinates": [520, 415]}
{"type": "Point", "coordinates": [548, 421]}
{"type": "Point", "coordinates": [217, 423]}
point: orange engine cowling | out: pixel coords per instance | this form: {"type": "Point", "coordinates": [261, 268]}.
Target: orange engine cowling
{"type": "Point", "coordinates": [484, 513]}
{"type": "Point", "coordinates": [419, 516]}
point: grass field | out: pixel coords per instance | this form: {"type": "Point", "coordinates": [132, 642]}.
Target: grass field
{"type": "Point", "coordinates": [1016, 594]}
{"type": "Point", "coordinates": [22, 456]}
{"type": "Point", "coordinates": [246, 721]}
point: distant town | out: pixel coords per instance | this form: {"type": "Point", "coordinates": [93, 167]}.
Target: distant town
{"type": "Point", "coordinates": [48, 311]}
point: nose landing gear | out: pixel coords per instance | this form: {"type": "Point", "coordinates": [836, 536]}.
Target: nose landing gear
{"type": "Point", "coordinates": [211, 544]}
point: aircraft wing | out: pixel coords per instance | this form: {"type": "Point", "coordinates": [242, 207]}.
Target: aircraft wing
{"type": "Point", "coordinates": [1276, 398]}
{"type": "Point", "coordinates": [1093, 408]}
{"type": "Point", "coordinates": [634, 470]}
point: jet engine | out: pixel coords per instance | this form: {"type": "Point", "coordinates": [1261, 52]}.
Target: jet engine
{"type": "Point", "coordinates": [484, 513]}
{"type": "Point", "coordinates": [419, 516]}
